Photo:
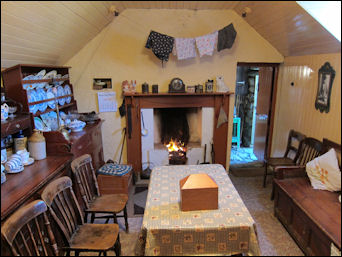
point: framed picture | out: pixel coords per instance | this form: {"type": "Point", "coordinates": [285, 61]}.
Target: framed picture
{"type": "Point", "coordinates": [99, 84]}
{"type": "Point", "coordinates": [326, 75]}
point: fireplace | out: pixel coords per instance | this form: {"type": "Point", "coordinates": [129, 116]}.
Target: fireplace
{"type": "Point", "coordinates": [199, 109]}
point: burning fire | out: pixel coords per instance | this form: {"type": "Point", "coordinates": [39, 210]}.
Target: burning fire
{"type": "Point", "coordinates": [174, 146]}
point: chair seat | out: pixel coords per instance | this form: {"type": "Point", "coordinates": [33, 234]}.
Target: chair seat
{"type": "Point", "coordinates": [95, 237]}
{"type": "Point", "coordinates": [281, 161]}
{"type": "Point", "coordinates": [108, 203]}
{"type": "Point", "coordinates": [114, 169]}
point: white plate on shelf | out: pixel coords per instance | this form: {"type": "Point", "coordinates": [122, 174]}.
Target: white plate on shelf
{"type": "Point", "coordinates": [60, 92]}
{"type": "Point", "coordinates": [38, 124]}
{"type": "Point", "coordinates": [50, 95]}
{"type": "Point", "coordinates": [41, 73]}
{"type": "Point", "coordinates": [67, 91]}
{"type": "Point", "coordinates": [32, 97]}
{"type": "Point", "coordinates": [29, 77]}
{"type": "Point", "coordinates": [50, 75]}
{"type": "Point", "coordinates": [42, 96]}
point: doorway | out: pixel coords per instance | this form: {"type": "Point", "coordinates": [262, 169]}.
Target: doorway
{"type": "Point", "coordinates": [253, 113]}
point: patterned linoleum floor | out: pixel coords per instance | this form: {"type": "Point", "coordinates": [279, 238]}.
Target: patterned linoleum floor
{"type": "Point", "coordinates": [273, 238]}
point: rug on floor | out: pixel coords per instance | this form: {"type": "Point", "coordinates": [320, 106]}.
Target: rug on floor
{"type": "Point", "coordinates": [140, 195]}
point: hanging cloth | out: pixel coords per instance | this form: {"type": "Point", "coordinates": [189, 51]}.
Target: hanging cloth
{"type": "Point", "coordinates": [223, 118]}
{"type": "Point", "coordinates": [206, 44]}
{"type": "Point", "coordinates": [226, 37]}
{"type": "Point", "coordinates": [185, 48]}
{"type": "Point", "coordinates": [160, 44]}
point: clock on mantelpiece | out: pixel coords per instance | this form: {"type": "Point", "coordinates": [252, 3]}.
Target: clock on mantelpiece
{"type": "Point", "coordinates": [176, 86]}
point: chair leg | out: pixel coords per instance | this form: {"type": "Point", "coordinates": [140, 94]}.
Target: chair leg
{"type": "Point", "coordinates": [126, 220]}
{"type": "Point", "coordinates": [272, 194]}
{"type": "Point", "coordinates": [77, 253]}
{"type": "Point", "coordinates": [115, 218]}
{"type": "Point", "coordinates": [265, 174]}
{"type": "Point", "coordinates": [117, 246]}
{"type": "Point", "coordinates": [86, 217]}
{"type": "Point", "coordinates": [92, 217]}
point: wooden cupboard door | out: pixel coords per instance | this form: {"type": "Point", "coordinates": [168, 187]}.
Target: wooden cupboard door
{"type": "Point", "coordinates": [318, 242]}
{"type": "Point", "coordinates": [282, 206]}
{"type": "Point", "coordinates": [263, 111]}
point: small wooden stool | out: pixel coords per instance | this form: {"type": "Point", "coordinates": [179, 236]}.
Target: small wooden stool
{"type": "Point", "coordinates": [114, 178]}
{"type": "Point", "coordinates": [236, 131]}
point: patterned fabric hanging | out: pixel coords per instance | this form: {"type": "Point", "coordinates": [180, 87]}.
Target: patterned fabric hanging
{"type": "Point", "coordinates": [226, 37]}
{"type": "Point", "coordinates": [185, 48]}
{"type": "Point", "coordinates": [206, 44]}
{"type": "Point", "coordinates": [160, 44]}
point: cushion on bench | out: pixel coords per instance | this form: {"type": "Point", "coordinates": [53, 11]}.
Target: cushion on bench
{"type": "Point", "coordinates": [114, 169]}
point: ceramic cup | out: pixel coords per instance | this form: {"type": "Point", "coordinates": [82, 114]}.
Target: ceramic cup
{"type": "Point", "coordinates": [24, 155]}
{"type": "Point", "coordinates": [13, 165]}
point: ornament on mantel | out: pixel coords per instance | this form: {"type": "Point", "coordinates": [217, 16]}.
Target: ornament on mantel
{"type": "Point", "coordinates": [220, 85]}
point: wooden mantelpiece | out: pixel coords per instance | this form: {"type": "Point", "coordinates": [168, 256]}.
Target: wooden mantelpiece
{"type": "Point", "coordinates": [134, 103]}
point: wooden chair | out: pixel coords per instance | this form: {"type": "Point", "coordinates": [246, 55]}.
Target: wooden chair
{"type": "Point", "coordinates": [309, 149]}
{"type": "Point", "coordinates": [93, 202]}
{"type": "Point", "coordinates": [28, 231]}
{"type": "Point", "coordinates": [328, 144]}
{"type": "Point", "coordinates": [290, 155]}
{"type": "Point", "coordinates": [80, 237]}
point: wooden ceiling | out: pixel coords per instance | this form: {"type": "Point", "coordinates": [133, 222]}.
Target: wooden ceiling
{"type": "Point", "coordinates": [51, 32]}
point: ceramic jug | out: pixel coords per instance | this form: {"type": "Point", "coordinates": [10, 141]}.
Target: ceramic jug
{"type": "Point", "coordinates": [4, 112]}
{"type": "Point", "coordinates": [37, 145]}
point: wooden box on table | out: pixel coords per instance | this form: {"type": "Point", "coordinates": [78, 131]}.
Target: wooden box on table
{"type": "Point", "coordinates": [198, 192]}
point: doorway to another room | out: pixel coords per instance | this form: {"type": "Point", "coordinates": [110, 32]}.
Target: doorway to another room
{"type": "Point", "coordinates": [253, 114]}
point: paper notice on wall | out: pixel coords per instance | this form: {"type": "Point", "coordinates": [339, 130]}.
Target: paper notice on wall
{"type": "Point", "coordinates": [107, 101]}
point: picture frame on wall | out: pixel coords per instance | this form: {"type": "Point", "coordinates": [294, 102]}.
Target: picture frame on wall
{"type": "Point", "coordinates": [102, 83]}
{"type": "Point", "coordinates": [326, 75]}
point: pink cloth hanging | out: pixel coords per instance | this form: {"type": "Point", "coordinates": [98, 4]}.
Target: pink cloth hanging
{"type": "Point", "coordinates": [185, 48]}
{"type": "Point", "coordinates": [206, 44]}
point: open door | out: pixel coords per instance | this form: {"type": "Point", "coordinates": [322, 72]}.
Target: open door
{"type": "Point", "coordinates": [254, 110]}
{"type": "Point", "coordinates": [263, 108]}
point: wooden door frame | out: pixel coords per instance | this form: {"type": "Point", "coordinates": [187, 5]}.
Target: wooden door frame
{"type": "Point", "coordinates": [273, 100]}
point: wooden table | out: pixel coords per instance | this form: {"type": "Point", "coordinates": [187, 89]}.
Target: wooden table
{"type": "Point", "coordinates": [166, 230]}
{"type": "Point", "coordinates": [25, 186]}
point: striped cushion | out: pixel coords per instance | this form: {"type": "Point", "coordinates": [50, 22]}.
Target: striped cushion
{"type": "Point", "coordinates": [114, 169]}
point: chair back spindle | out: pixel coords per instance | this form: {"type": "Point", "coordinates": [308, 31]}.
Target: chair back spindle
{"type": "Point", "coordinates": [63, 205]}
{"type": "Point", "coordinates": [28, 231]}
{"type": "Point", "coordinates": [85, 178]}
{"type": "Point", "coordinates": [293, 143]}
{"type": "Point", "coordinates": [309, 149]}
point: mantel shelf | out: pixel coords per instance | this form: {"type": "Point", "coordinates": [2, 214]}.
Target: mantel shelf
{"type": "Point", "coordinates": [176, 94]}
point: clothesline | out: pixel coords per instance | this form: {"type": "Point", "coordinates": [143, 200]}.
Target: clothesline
{"type": "Point", "coordinates": [162, 45]}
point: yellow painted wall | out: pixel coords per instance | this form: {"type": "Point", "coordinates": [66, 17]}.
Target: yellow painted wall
{"type": "Point", "coordinates": [295, 107]}
{"type": "Point", "coordinates": [119, 52]}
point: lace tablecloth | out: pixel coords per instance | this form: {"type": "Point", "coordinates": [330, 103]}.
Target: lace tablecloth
{"type": "Point", "coordinates": [166, 230]}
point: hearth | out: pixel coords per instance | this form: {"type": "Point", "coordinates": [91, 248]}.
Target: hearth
{"type": "Point", "coordinates": [177, 153]}
{"type": "Point", "coordinates": [175, 133]}
{"type": "Point", "coordinates": [150, 148]}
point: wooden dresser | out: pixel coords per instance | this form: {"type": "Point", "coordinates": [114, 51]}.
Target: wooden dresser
{"type": "Point", "coordinates": [87, 141]}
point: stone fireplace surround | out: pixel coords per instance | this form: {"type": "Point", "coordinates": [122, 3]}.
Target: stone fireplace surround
{"type": "Point", "coordinates": [134, 103]}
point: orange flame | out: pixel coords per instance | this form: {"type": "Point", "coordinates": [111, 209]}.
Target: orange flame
{"type": "Point", "coordinates": [174, 146]}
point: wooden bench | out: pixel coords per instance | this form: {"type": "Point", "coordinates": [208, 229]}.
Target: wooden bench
{"type": "Point", "coordinates": [312, 217]}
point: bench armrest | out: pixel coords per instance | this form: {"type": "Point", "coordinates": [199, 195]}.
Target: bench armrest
{"type": "Point", "coordinates": [283, 172]}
